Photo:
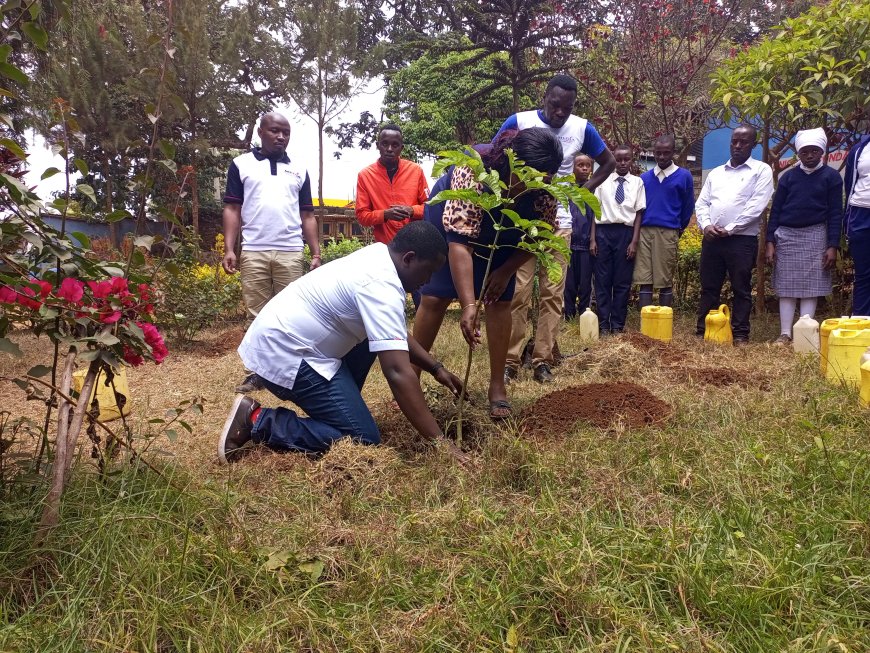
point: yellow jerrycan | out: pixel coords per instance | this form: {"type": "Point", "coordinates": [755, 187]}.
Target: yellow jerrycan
{"type": "Point", "coordinates": [657, 322]}
{"type": "Point", "coordinates": [845, 347]}
{"type": "Point", "coordinates": [105, 396]}
{"type": "Point", "coordinates": [718, 325]}
{"type": "Point", "coordinates": [865, 384]}
{"type": "Point", "coordinates": [825, 329]}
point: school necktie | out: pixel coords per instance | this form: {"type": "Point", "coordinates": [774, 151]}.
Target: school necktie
{"type": "Point", "coordinates": [620, 190]}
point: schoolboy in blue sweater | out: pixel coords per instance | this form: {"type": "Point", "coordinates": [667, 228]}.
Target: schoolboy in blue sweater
{"type": "Point", "coordinates": [670, 200]}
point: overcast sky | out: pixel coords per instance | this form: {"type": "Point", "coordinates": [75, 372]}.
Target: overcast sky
{"type": "Point", "coordinates": [339, 174]}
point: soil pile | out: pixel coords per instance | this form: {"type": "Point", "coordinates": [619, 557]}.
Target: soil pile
{"type": "Point", "coordinates": [719, 377]}
{"type": "Point", "coordinates": [221, 344]}
{"type": "Point", "coordinates": [598, 404]}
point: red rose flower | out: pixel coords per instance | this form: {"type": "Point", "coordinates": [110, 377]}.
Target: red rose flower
{"type": "Point", "coordinates": [100, 289]}
{"type": "Point", "coordinates": [71, 290]}
{"type": "Point", "coordinates": [7, 295]}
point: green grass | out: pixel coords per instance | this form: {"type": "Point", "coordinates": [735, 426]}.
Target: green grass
{"type": "Point", "coordinates": [741, 525]}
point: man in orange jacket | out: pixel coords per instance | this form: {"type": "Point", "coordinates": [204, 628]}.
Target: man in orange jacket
{"type": "Point", "coordinates": [391, 191]}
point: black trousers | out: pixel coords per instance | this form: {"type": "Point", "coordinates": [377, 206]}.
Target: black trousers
{"type": "Point", "coordinates": [578, 283]}
{"type": "Point", "coordinates": [734, 256]}
{"type": "Point", "coordinates": [613, 272]}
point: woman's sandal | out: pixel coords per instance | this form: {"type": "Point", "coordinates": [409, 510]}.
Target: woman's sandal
{"type": "Point", "coordinates": [500, 409]}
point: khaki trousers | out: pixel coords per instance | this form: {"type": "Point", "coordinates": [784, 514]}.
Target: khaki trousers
{"type": "Point", "coordinates": [265, 274]}
{"type": "Point", "coordinates": [552, 298]}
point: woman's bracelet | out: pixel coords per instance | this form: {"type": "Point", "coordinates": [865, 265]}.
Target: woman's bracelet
{"type": "Point", "coordinates": [437, 366]}
{"type": "Point", "coordinates": [315, 256]}
{"type": "Point", "coordinates": [467, 305]}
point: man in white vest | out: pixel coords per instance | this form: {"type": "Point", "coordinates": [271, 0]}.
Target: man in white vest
{"type": "Point", "coordinates": [577, 136]}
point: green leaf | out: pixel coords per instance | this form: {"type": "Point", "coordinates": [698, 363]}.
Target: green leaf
{"type": "Point", "coordinates": [117, 215]}
{"type": "Point", "coordinates": [82, 238]}
{"type": "Point", "coordinates": [13, 147]}
{"type": "Point", "coordinates": [81, 166]}
{"type": "Point", "coordinates": [167, 147]}
{"type": "Point", "coordinates": [314, 569]}
{"type": "Point", "coordinates": [36, 34]}
{"type": "Point", "coordinates": [820, 444]}
{"type": "Point", "coordinates": [87, 191]}
{"type": "Point", "coordinates": [106, 338]}
{"type": "Point", "coordinates": [38, 371]}
{"type": "Point", "coordinates": [10, 347]}
{"type": "Point", "coordinates": [5, 51]}
{"type": "Point", "coordinates": [14, 73]}
{"type": "Point", "coordinates": [169, 165]}
{"type": "Point", "coordinates": [49, 172]}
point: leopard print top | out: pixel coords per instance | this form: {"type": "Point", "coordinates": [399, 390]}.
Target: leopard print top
{"type": "Point", "coordinates": [463, 218]}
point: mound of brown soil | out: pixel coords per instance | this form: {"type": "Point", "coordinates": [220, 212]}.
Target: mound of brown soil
{"type": "Point", "coordinates": [598, 404]}
{"type": "Point", "coordinates": [643, 342]}
{"type": "Point", "coordinates": [664, 352]}
{"type": "Point", "coordinates": [222, 343]}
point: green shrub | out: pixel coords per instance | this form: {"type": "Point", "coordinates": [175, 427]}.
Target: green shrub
{"type": "Point", "coordinates": [333, 248]}
{"type": "Point", "coordinates": [195, 295]}
{"type": "Point", "coordinates": [687, 281]}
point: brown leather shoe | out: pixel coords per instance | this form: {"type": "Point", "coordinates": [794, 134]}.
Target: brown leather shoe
{"type": "Point", "coordinates": [237, 429]}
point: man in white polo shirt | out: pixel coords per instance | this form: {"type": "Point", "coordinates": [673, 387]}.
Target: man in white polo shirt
{"type": "Point", "coordinates": [315, 342]}
{"type": "Point", "coordinates": [268, 202]}
{"type": "Point", "coordinates": [577, 136]}
{"type": "Point", "coordinates": [729, 210]}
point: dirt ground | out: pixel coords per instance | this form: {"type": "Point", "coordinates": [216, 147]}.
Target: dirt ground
{"type": "Point", "coordinates": [626, 382]}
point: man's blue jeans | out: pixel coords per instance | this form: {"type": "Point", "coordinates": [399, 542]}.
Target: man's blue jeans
{"type": "Point", "coordinates": [335, 408]}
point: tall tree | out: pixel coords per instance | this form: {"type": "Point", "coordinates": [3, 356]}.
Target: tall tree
{"type": "Point", "coordinates": [647, 71]}
{"type": "Point", "coordinates": [226, 67]}
{"type": "Point", "coordinates": [429, 98]}
{"type": "Point", "coordinates": [332, 66]}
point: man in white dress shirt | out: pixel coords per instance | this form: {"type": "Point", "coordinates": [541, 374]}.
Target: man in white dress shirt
{"type": "Point", "coordinates": [729, 210]}
{"type": "Point", "coordinates": [315, 342]}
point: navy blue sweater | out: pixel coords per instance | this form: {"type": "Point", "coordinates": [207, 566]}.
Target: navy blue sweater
{"type": "Point", "coordinates": [669, 203]}
{"type": "Point", "coordinates": [803, 200]}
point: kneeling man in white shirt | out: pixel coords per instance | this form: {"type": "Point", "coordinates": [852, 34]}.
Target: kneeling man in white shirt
{"type": "Point", "coordinates": [314, 343]}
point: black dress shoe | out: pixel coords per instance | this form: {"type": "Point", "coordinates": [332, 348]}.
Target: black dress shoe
{"type": "Point", "coordinates": [543, 374]}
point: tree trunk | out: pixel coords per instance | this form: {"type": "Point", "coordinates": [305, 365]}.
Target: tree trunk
{"type": "Point", "coordinates": [107, 175]}
{"type": "Point", "coordinates": [51, 509]}
{"type": "Point", "coordinates": [75, 427]}
{"type": "Point", "coordinates": [760, 261]}
{"type": "Point", "coordinates": [194, 194]}
{"type": "Point", "coordinates": [320, 161]}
